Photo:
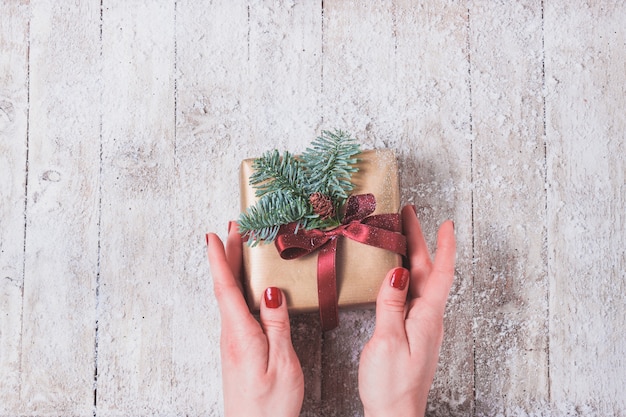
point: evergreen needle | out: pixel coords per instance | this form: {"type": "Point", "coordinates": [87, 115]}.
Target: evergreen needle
{"type": "Point", "coordinates": [284, 184]}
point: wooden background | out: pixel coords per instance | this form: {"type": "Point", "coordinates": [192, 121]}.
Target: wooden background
{"type": "Point", "coordinates": [122, 125]}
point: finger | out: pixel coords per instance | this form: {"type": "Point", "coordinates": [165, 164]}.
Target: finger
{"type": "Point", "coordinates": [275, 322]}
{"type": "Point", "coordinates": [439, 283]}
{"type": "Point", "coordinates": [419, 257]}
{"type": "Point", "coordinates": [391, 304]}
{"type": "Point", "coordinates": [234, 251]}
{"type": "Point", "coordinates": [233, 307]}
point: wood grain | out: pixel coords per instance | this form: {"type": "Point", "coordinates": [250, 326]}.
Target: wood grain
{"type": "Point", "coordinates": [509, 206]}
{"type": "Point", "coordinates": [62, 211]}
{"type": "Point", "coordinates": [122, 125]}
{"type": "Point", "coordinates": [284, 74]}
{"type": "Point", "coordinates": [585, 90]}
{"type": "Point", "coordinates": [138, 280]}
{"type": "Point", "coordinates": [432, 97]}
{"type": "Point", "coordinates": [14, 33]}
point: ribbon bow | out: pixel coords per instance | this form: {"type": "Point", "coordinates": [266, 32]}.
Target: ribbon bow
{"type": "Point", "coordinates": [381, 231]}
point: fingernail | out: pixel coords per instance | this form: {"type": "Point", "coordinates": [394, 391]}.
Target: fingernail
{"type": "Point", "coordinates": [399, 278]}
{"type": "Point", "coordinates": [414, 209]}
{"type": "Point", "coordinates": [453, 227]}
{"type": "Point", "coordinates": [273, 297]}
{"type": "Point", "coordinates": [206, 236]}
{"type": "Point", "coordinates": [230, 224]}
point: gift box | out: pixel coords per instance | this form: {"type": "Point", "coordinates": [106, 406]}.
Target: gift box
{"type": "Point", "coordinates": [358, 268]}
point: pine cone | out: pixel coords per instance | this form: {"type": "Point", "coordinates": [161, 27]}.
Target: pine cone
{"type": "Point", "coordinates": [322, 205]}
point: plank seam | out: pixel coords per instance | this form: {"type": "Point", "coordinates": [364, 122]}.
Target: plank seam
{"type": "Point", "coordinates": [176, 168]}
{"type": "Point", "coordinates": [248, 37]}
{"type": "Point", "coordinates": [545, 173]}
{"type": "Point", "coordinates": [175, 86]}
{"type": "Point", "coordinates": [99, 247]}
{"type": "Point", "coordinates": [471, 131]}
{"type": "Point", "coordinates": [26, 166]}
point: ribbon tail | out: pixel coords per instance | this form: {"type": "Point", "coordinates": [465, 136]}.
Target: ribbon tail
{"type": "Point", "coordinates": [327, 286]}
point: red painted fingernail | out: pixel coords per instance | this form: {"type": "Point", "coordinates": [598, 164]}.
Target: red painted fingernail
{"type": "Point", "coordinates": [273, 297]}
{"type": "Point", "coordinates": [206, 236]}
{"type": "Point", "coordinates": [399, 278]}
{"type": "Point", "coordinates": [230, 224]}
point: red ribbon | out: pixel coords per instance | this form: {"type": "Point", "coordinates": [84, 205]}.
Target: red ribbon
{"type": "Point", "coordinates": [381, 231]}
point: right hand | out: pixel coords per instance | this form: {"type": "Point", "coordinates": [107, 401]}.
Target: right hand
{"type": "Point", "coordinates": [398, 364]}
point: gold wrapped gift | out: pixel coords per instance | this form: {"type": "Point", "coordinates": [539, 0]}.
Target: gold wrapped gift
{"type": "Point", "coordinates": [360, 268]}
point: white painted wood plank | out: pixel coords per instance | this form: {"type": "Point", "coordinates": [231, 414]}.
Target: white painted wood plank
{"type": "Point", "coordinates": [511, 346]}
{"type": "Point", "coordinates": [211, 136]}
{"type": "Point", "coordinates": [586, 125]}
{"type": "Point", "coordinates": [138, 277]}
{"type": "Point", "coordinates": [434, 143]}
{"type": "Point", "coordinates": [358, 70]}
{"type": "Point", "coordinates": [285, 69]}
{"type": "Point", "coordinates": [511, 342]}
{"type": "Point", "coordinates": [57, 367]}
{"type": "Point", "coordinates": [13, 144]}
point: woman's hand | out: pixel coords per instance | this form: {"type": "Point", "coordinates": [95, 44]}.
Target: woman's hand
{"type": "Point", "coordinates": [260, 370]}
{"type": "Point", "coordinates": [398, 364]}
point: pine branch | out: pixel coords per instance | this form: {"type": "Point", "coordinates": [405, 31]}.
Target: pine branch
{"type": "Point", "coordinates": [285, 185]}
{"type": "Point", "coordinates": [329, 165]}
{"type": "Point", "coordinates": [275, 173]}
{"type": "Point", "coordinates": [262, 221]}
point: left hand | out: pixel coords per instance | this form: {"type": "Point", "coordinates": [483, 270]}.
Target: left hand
{"type": "Point", "coordinates": [261, 373]}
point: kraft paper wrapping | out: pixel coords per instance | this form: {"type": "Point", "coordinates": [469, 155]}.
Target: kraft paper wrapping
{"type": "Point", "coordinates": [360, 268]}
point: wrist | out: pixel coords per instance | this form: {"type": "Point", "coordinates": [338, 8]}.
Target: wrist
{"type": "Point", "coordinates": [405, 410]}
{"type": "Point", "coordinates": [392, 414]}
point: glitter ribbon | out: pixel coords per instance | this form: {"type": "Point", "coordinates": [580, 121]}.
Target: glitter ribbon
{"type": "Point", "coordinates": [381, 231]}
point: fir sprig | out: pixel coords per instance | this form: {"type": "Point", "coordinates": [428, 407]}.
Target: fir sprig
{"type": "Point", "coordinates": [330, 164]}
{"type": "Point", "coordinates": [275, 173]}
{"type": "Point", "coordinates": [262, 221]}
{"type": "Point", "coordinates": [285, 184]}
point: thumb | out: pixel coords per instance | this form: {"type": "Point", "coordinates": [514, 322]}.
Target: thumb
{"type": "Point", "coordinates": [275, 321]}
{"type": "Point", "coordinates": [391, 304]}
